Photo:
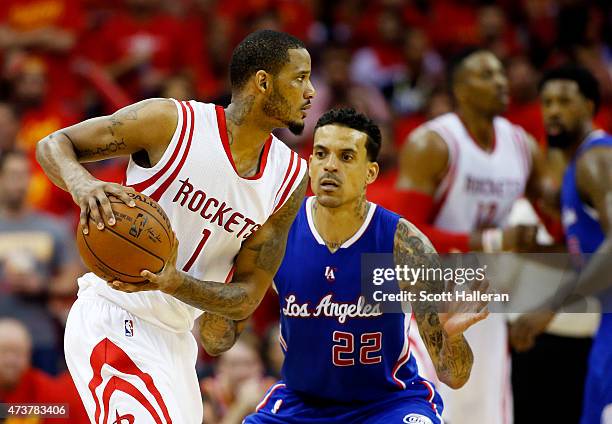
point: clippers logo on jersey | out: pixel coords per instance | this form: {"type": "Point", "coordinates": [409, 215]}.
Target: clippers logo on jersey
{"type": "Point", "coordinates": [330, 273]}
{"type": "Point", "coordinates": [328, 308]}
{"type": "Point", "coordinates": [214, 211]}
{"type": "Point", "coordinates": [417, 419]}
{"type": "Point", "coordinates": [129, 328]}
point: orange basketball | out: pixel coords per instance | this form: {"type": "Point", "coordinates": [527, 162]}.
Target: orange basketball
{"type": "Point", "coordinates": [141, 239]}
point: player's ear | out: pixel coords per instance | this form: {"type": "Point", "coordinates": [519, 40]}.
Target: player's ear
{"type": "Point", "coordinates": [373, 170]}
{"type": "Point", "coordinates": [590, 104]}
{"type": "Point", "coordinates": [309, 167]}
{"type": "Point", "coordinates": [263, 81]}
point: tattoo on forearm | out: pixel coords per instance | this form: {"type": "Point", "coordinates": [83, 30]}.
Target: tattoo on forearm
{"type": "Point", "coordinates": [110, 148]}
{"type": "Point", "coordinates": [452, 358]}
{"type": "Point", "coordinates": [217, 333]}
{"type": "Point", "coordinates": [225, 299]}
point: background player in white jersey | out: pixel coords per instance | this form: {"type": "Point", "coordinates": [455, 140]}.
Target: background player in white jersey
{"type": "Point", "coordinates": [231, 191]}
{"type": "Point", "coordinates": [460, 175]}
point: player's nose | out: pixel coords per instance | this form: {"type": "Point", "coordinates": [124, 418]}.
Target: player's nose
{"type": "Point", "coordinates": [310, 91]}
{"type": "Point", "coordinates": [331, 163]}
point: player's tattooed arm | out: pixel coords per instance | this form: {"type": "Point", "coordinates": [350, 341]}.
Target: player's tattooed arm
{"type": "Point", "coordinates": [256, 264]}
{"type": "Point", "coordinates": [450, 353]}
{"type": "Point", "coordinates": [218, 334]}
{"type": "Point", "coordinates": [144, 126]}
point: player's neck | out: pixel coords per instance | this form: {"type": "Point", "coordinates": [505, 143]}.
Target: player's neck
{"type": "Point", "coordinates": [337, 225]}
{"type": "Point", "coordinates": [479, 126]}
{"type": "Point", "coordinates": [570, 152]}
{"type": "Point", "coordinates": [246, 134]}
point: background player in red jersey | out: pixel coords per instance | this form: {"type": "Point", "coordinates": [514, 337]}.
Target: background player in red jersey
{"type": "Point", "coordinates": [151, 367]}
{"type": "Point", "coordinates": [460, 175]}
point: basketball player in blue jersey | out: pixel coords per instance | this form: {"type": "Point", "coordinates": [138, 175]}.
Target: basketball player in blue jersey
{"type": "Point", "coordinates": [570, 98]}
{"type": "Point", "coordinates": [345, 360]}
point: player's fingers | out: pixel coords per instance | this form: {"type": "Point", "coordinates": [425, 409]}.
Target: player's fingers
{"type": "Point", "coordinates": [83, 224]}
{"type": "Point", "coordinates": [95, 213]}
{"type": "Point", "coordinates": [107, 210]}
{"type": "Point", "coordinates": [148, 275]}
{"type": "Point", "coordinates": [129, 287]}
{"type": "Point", "coordinates": [121, 193]}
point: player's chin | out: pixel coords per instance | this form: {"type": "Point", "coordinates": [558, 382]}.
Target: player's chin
{"type": "Point", "coordinates": [296, 126]}
{"type": "Point", "coordinates": [328, 200]}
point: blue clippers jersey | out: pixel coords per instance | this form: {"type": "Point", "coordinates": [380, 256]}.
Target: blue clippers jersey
{"type": "Point", "coordinates": [582, 228]}
{"type": "Point", "coordinates": [336, 346]}
{"type": "Point", "coordinates": [583, 231]}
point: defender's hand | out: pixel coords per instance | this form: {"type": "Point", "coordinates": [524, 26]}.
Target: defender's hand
{"type": "Point", "coordinates": [461, 315]}
{"type": "Point", "coordinates": [167, 280]}
{"type": "Point", "coordinates": [525, 330]}
{"type": "Point", "coordinates": [520, 238]}
{"type": "Point", "coordinates": [92, 197]}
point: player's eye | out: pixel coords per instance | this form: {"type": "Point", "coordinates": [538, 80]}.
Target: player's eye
{"type": "Point", "coordinates": [347, 156]}
{"type": "Point", "coordinates": [319, 154]}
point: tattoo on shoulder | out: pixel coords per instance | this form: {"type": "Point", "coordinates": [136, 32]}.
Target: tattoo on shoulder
{"type": "Point", "coordinates": [411, 247]}
{"type": "Point", "coordinates": [270, 250]}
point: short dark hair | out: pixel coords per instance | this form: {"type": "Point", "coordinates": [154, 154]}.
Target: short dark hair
{"type": "Point", "coordinates": [348, 117]}
{"type": "Point", "coordinates": [261, 50]}
{"type": "Point", "coordinates": [587, 84]}
{"type": "Point", "coordinates": [456, 62]}
{"type": "Point", "coordinates": [6, 154]}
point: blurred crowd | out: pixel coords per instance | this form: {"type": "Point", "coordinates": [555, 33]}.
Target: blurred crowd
{"type": "Point", "coordinates": [63, 61]}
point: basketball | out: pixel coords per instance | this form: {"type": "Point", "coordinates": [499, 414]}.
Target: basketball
{"type": "Point", "coordinates": [141, 239]}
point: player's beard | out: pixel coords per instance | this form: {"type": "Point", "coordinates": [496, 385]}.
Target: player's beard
{"type": "Point", "coordinates": [562, 140]}
{"type": "Point", "coordinates": [276, 106]}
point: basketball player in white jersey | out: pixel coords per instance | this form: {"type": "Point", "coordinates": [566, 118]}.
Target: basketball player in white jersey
{"type": "Point", "coordinates": [460, 174]}
{"type": "Point", "coordinates": [231, 191]}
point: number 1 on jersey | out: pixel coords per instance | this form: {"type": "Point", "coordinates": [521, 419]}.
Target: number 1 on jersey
{"type": "Point", "coordinates": [205, 235]}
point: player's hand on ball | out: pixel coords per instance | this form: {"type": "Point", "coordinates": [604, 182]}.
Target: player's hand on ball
{"type": "Point", "coordinates": [167, 280]}
{"type": "Point", "coordinates": [92, 197]}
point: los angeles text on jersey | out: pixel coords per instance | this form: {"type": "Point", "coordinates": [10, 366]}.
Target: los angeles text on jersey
{"type": "Point", "coordinates": [214, 210]}
{"type": "Point", "coordinates": [327, 307]}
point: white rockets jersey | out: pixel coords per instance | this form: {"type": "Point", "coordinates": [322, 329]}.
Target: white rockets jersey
{"type": "Point", "coordinates": [480, 187]}
{"type": "Point", "coordinates": [213, 210]}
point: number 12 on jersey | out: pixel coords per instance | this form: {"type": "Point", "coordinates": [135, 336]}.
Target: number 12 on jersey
{"type": "Point", "coordinates": [343, 351]}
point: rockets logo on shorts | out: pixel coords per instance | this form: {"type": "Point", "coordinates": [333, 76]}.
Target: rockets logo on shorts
{"type": "Point", "coordinates": [123, 419]}
{"type": "Point", "coordinates": [129, 328]}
